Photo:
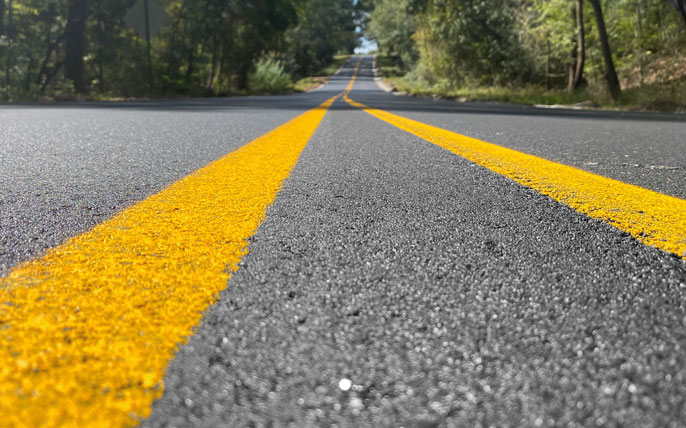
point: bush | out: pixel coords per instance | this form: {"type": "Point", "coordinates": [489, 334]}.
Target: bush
{"type": "Point", "coordinates": [270, 76]}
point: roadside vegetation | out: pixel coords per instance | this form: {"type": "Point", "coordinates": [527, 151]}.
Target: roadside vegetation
{"type": "Point", "coordinates": [312, 82]}
{"type": "Point", "coordinates": [86, 49]}
{"type": "Point", "coordinates": [620, 54]}
{"type": "Point", "coordinates": [270, 77]}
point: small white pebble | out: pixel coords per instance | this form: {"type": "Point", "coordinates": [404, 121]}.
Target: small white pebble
{"type": "Point", "coordinates": [345, 384]}
{"type": "Point", "coordinates": [356, 404]}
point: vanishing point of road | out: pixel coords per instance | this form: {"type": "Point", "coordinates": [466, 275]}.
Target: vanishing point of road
{"type": "Point", "coordinates": [345, 257]}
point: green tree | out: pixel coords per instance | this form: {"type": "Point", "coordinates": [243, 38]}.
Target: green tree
{"type": "Point", "coordinates": [610, 72]}
{"type": "Point", "coordinates": [76, 43]}
{"type": "Point", "coordinates": [62, 47]}
{"type": "Point", "coordinates": [2, 18]}
{"type": "Point", "coordinates": [324, 28]}
{"type": "Point", "coordinates": [474, 40]}
{"type": "Point", "coordinates": [392, 25]}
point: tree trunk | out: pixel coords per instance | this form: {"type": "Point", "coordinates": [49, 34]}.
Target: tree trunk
{"type": "Point", "coordinates": [50, 76]}
{"type": "Point", "coordinates": [680, 6]}
{"type": "Point", "coordinates": [571, 68]}
{"type": "Point", "coordinates": [610, 73]}
{"type": "Point", "coordinates": [242, 82]}
{"type": "Point", "coordinates": [242, 73]}
{"type": "Point", "coordinates": [52, 46]}
{"type": "Point", "coordinates": [213, 67]}
{"type": "Point", "coordinates": [639, 41]}
{"type": "Point", "coordinates": [547, 64]}
{"type": "Point", "coordinates": [9, 31]}
{"type": "Point", "coordinates": [190, 59]}
{"type": "Point", "coordinates": [194, 37]}
{"type": "Point", "coordinates": [76, 44]}
{"type": "Point", "coordinates": [29, 72]}
{"type": "Point", "coordinates": [580, 46]}
{"type": "Point", "coordinates": [2, 17]}
{"type": "Point", "coordinates": [2, 25]}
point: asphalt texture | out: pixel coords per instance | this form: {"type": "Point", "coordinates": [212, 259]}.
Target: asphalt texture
{"type": "Point", "coordinates": [68, 167]}
{"type": "Point", "coordinates": [645, 149]}
{"type": "Point", "coordinates": [393, 283]}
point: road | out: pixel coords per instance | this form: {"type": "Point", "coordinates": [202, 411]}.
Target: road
{"type": "Point", "coordinates": [377, 278]}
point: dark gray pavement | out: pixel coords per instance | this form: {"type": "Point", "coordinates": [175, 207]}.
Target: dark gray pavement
{"type": "Point", "coordinates": [645, 149]}
{"type": "Point", "coordinates": [67, 167]}
{"type": "Point", "coordinates": [447, 296]}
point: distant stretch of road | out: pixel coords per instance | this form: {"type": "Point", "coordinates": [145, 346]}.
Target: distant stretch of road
{"type": "Point", "coordinates": [344, 257]}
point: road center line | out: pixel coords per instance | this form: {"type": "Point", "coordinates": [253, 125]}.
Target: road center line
{"type": "Point", "coordinates": [653, 218]}
{"type": "Point", "coordinates": [351, 83]}
{"type": "Point", "coordinates": [88, 329]}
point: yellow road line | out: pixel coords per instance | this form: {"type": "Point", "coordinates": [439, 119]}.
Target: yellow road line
{"type": "Point", "coordinates": [87, 331]}
{"type": "Point", "coordinates": [351, 83]}
{"type": "Point", "coordinates": [653, 218]}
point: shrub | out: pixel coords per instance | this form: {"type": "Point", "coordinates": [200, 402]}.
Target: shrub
{"type": "Point", "coordinates": [269, 76]}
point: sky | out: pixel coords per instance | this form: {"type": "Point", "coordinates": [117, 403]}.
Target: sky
{"type": "Point", "coordinates": [366, 47]}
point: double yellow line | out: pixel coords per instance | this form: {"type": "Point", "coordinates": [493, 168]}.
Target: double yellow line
{"type": "Point", "coordinates": [87, 330]}
{"type": "Point", "coordinates": [351, 83]}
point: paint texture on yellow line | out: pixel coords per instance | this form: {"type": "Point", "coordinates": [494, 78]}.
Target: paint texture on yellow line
{"type": "Point", "coordinates": [653, 218]}
{"type": "Point", "coordinates": [87, 331]}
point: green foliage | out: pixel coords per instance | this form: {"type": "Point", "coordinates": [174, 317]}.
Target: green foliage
{"type": "Point", "coordinates": [472, 40]}
{"type": "Point", "coordinates": [270, 77]}
{"type": "Point", "coordinates": [311, 82]}
{"type": "Point", "coordinates": [668, 97]}
{"type": "Point", "coordinates": [392, 25]}
{"type": "Point", "coordinates": [515, 44]}
{"type": "Point", "coordinates": [209, 46]}
{"type": "Point", "coordinates": [325, 28]}
{"type": "Point", "coordinates": [549, 32]}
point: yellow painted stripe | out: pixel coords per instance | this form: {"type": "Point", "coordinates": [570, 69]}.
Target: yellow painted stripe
{"type": "Point", "coordinates": [87, 331]}
{"type": "Point", "coordinates": [653, 218]}
{"type": "Point", "coordinates": [351, 83]}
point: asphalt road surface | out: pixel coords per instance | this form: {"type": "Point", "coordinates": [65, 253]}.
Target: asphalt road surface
{"type": "Point", "coordinates": [392, 283]}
